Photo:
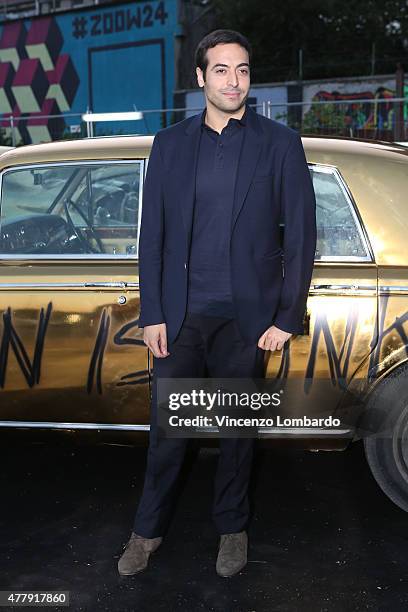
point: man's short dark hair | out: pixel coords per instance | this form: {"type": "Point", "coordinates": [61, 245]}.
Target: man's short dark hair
{"type": "Point", "coordinates": [218, 37]}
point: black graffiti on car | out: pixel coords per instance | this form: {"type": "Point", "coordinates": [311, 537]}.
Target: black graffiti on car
{"type": "Point", "coordinates": [338, 362]}
{"type": "Point", "coordinates": [95, 364]}
{"type": "Point", "coordinates": [396, 327]}
{"type": "Point", "coordinates": [120, 337]}
{"type": "Point", "coordinates": [31, 369]}
{"type": "Point", "coordinates": [140, 377]}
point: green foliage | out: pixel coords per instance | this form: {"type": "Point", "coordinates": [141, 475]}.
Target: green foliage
{"type": "Point", "coordinates": [327, 117]}
{"type": "Point", "coordinates": [336, 37]}
{"type": "Point", "coordinates": [5, 141]}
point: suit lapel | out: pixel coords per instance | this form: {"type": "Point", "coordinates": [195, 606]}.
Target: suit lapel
{"type": "Point", "coordinates": [250, 152]}
{"type": "Point", "coordinates": [187, 179]}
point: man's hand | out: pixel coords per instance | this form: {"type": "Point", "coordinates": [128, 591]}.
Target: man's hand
{"type": "Point", "coordinates": [155, 338]}
{"type": "Point", "coordinates": [273, 339]}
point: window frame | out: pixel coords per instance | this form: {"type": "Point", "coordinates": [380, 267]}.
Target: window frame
{"type": "Point", "coordinates": [369, 258]}
{"type": "Point", "coordinates": [86, 256]}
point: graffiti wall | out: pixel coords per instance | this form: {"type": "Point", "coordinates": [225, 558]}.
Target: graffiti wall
{"type": "Point", "coordinates": [377, 114]}
{"type": "Point", "coordinates": [111, 59]}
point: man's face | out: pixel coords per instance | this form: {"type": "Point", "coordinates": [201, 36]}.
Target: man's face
{"type": "Point", "coordinates": [227, 80]}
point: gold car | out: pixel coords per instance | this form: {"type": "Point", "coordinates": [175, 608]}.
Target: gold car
{"type": "Point", "coordinates": [72, 355]}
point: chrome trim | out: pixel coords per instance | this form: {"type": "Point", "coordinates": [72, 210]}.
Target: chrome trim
{"type": "Point", "coordinates": [329, 169]}
{"type": "Point", "coordinates": [106, 284]}
{"type": "Point", "coordinates": [393, 289]}
{"type": "Point", "coordinates": [310, 431]}
{"type": "Point", "coordinates": [84, 162]}
{"type": "Point", "coordinates": [102, 257]}
{"type": "Point", "coordinates": [73, 162]}
{"type": "Point", "coordinates": [80, 285]}
{"type": "Point", "coordinates": [343, 290]}
{"type": "Point", "coordinates": [53, 425]}
{"type": "Point", "coordinates": [339, 258]}
{"type": "Point", "coordinates": [142, 176]}
{"type": "Point", "coordinates": [295, 431]}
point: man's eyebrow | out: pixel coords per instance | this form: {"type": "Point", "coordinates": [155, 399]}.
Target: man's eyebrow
{"type": "Point", "coordinates": [226, 65]}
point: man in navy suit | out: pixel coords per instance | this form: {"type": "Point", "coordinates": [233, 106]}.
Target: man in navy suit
{"type": "Point", "coordinates": [217, 287]}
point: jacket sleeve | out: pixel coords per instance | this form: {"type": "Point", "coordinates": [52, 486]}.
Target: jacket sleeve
{"type": "Point", "coordinates": [298, 207]}
{"type": "Point", "coordinates": [151, 240]}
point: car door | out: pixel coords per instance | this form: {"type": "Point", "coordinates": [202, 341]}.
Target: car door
{"type": "Point", "coordinates": [340, 326]}
{"type": "Point", "coordinates": [71, 351]}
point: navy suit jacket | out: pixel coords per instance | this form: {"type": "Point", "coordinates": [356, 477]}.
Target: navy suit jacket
{"type": "Point", "coordinates": [269, 281]}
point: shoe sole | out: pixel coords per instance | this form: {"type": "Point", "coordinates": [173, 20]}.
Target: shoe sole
{"type": "Point", "coordinates": [132, 573]}
{"type": "Point", "coordinates": [234, 574]}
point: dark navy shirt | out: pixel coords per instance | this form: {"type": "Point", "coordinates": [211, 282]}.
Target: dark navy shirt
{"type": "Point", "coordinates": [209, 286]}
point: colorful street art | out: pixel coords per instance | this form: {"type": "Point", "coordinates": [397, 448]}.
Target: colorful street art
{"type": "Point", "coordinates": [36, 79]}
{"type": "Point", "coordinates": [352, 117]}
{"type": "Point", "coordinates": [111, 59]}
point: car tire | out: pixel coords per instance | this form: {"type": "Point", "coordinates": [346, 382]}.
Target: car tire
{"type": "Point", "coordinates": [386, 436]}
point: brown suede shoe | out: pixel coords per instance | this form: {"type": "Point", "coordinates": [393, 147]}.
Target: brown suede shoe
{"type": "Point", "coordinates": [232, 554]}
{"type": "Point", "coordinates": [136, 554]}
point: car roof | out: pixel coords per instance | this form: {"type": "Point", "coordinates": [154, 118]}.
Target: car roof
{"type": "Point", "coordinates": [129, 147]}
{"type": "Point", "coordinates": [118, 147]}
{"type": "Point", "coordinates": [376, 173]}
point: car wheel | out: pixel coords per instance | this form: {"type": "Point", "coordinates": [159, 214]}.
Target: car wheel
{"type": "Point", "coordinates": [386, 440]}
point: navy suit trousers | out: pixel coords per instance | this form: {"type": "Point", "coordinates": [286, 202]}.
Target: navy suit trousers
{"type": "Point", "coordinates": [205, 346]}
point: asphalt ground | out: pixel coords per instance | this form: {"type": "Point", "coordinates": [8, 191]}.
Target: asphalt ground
{"type": "Point", "coordinates": [323, 536]}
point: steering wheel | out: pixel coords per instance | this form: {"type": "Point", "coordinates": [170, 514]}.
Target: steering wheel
{"type": "Point", "coordinates": [76, 231]}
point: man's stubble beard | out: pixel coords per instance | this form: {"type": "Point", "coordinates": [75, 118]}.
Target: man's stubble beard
{"type": "Point", "coordinates": [226, 109]}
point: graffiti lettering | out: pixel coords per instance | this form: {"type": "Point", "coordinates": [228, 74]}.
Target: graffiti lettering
{"type": "Point", "coordinates": [95, 365]}
{"type": "Point", "coordinates": [148, 12]}
{"type": "Point", "coordinates": [352, 115]}
{"type": "Point", "coordinates": [285, 362]}
{"type": "Point", "coordinates": [134, 378]}
{"type": "Point", "coordinates": [133, 20]}
{"type": "Point", "coordinates": [120, 338]}
{"type": "Point", "coordinates": [119, 21]}
{"type": "Point", "coordinates": [107, 23]}
{"type": "Point", "coordinates": [338, 363]}
{"type": "Point", "coordinates": [30, 369]}
{"type": "Point", "coordinates": [397, 326]}
{"type": "Point", "coordinates": [79, 27]}
{"type": "Point", "coordinates": [96, 20]}
{"type": "Point", "coordinates": [160, 14]}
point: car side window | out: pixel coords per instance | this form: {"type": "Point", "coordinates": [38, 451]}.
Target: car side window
{"type": "Point", "coordinates": [71, 209]}
{"type": "Point", "coordinates": [339, 232]}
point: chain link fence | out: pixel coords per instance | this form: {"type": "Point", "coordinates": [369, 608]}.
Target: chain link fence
{"type": "Point", "coordinates": [380, 119]}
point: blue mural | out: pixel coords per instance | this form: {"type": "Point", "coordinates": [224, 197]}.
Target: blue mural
{"type": "Point", "coordinates": [112, 59]}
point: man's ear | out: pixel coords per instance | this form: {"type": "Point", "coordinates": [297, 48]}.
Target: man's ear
{"type": "Point", "coordinates": [200, 77]}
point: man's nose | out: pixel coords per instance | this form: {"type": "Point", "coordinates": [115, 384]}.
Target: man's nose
{"type": "Point", "coordinates": [233, 79]}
